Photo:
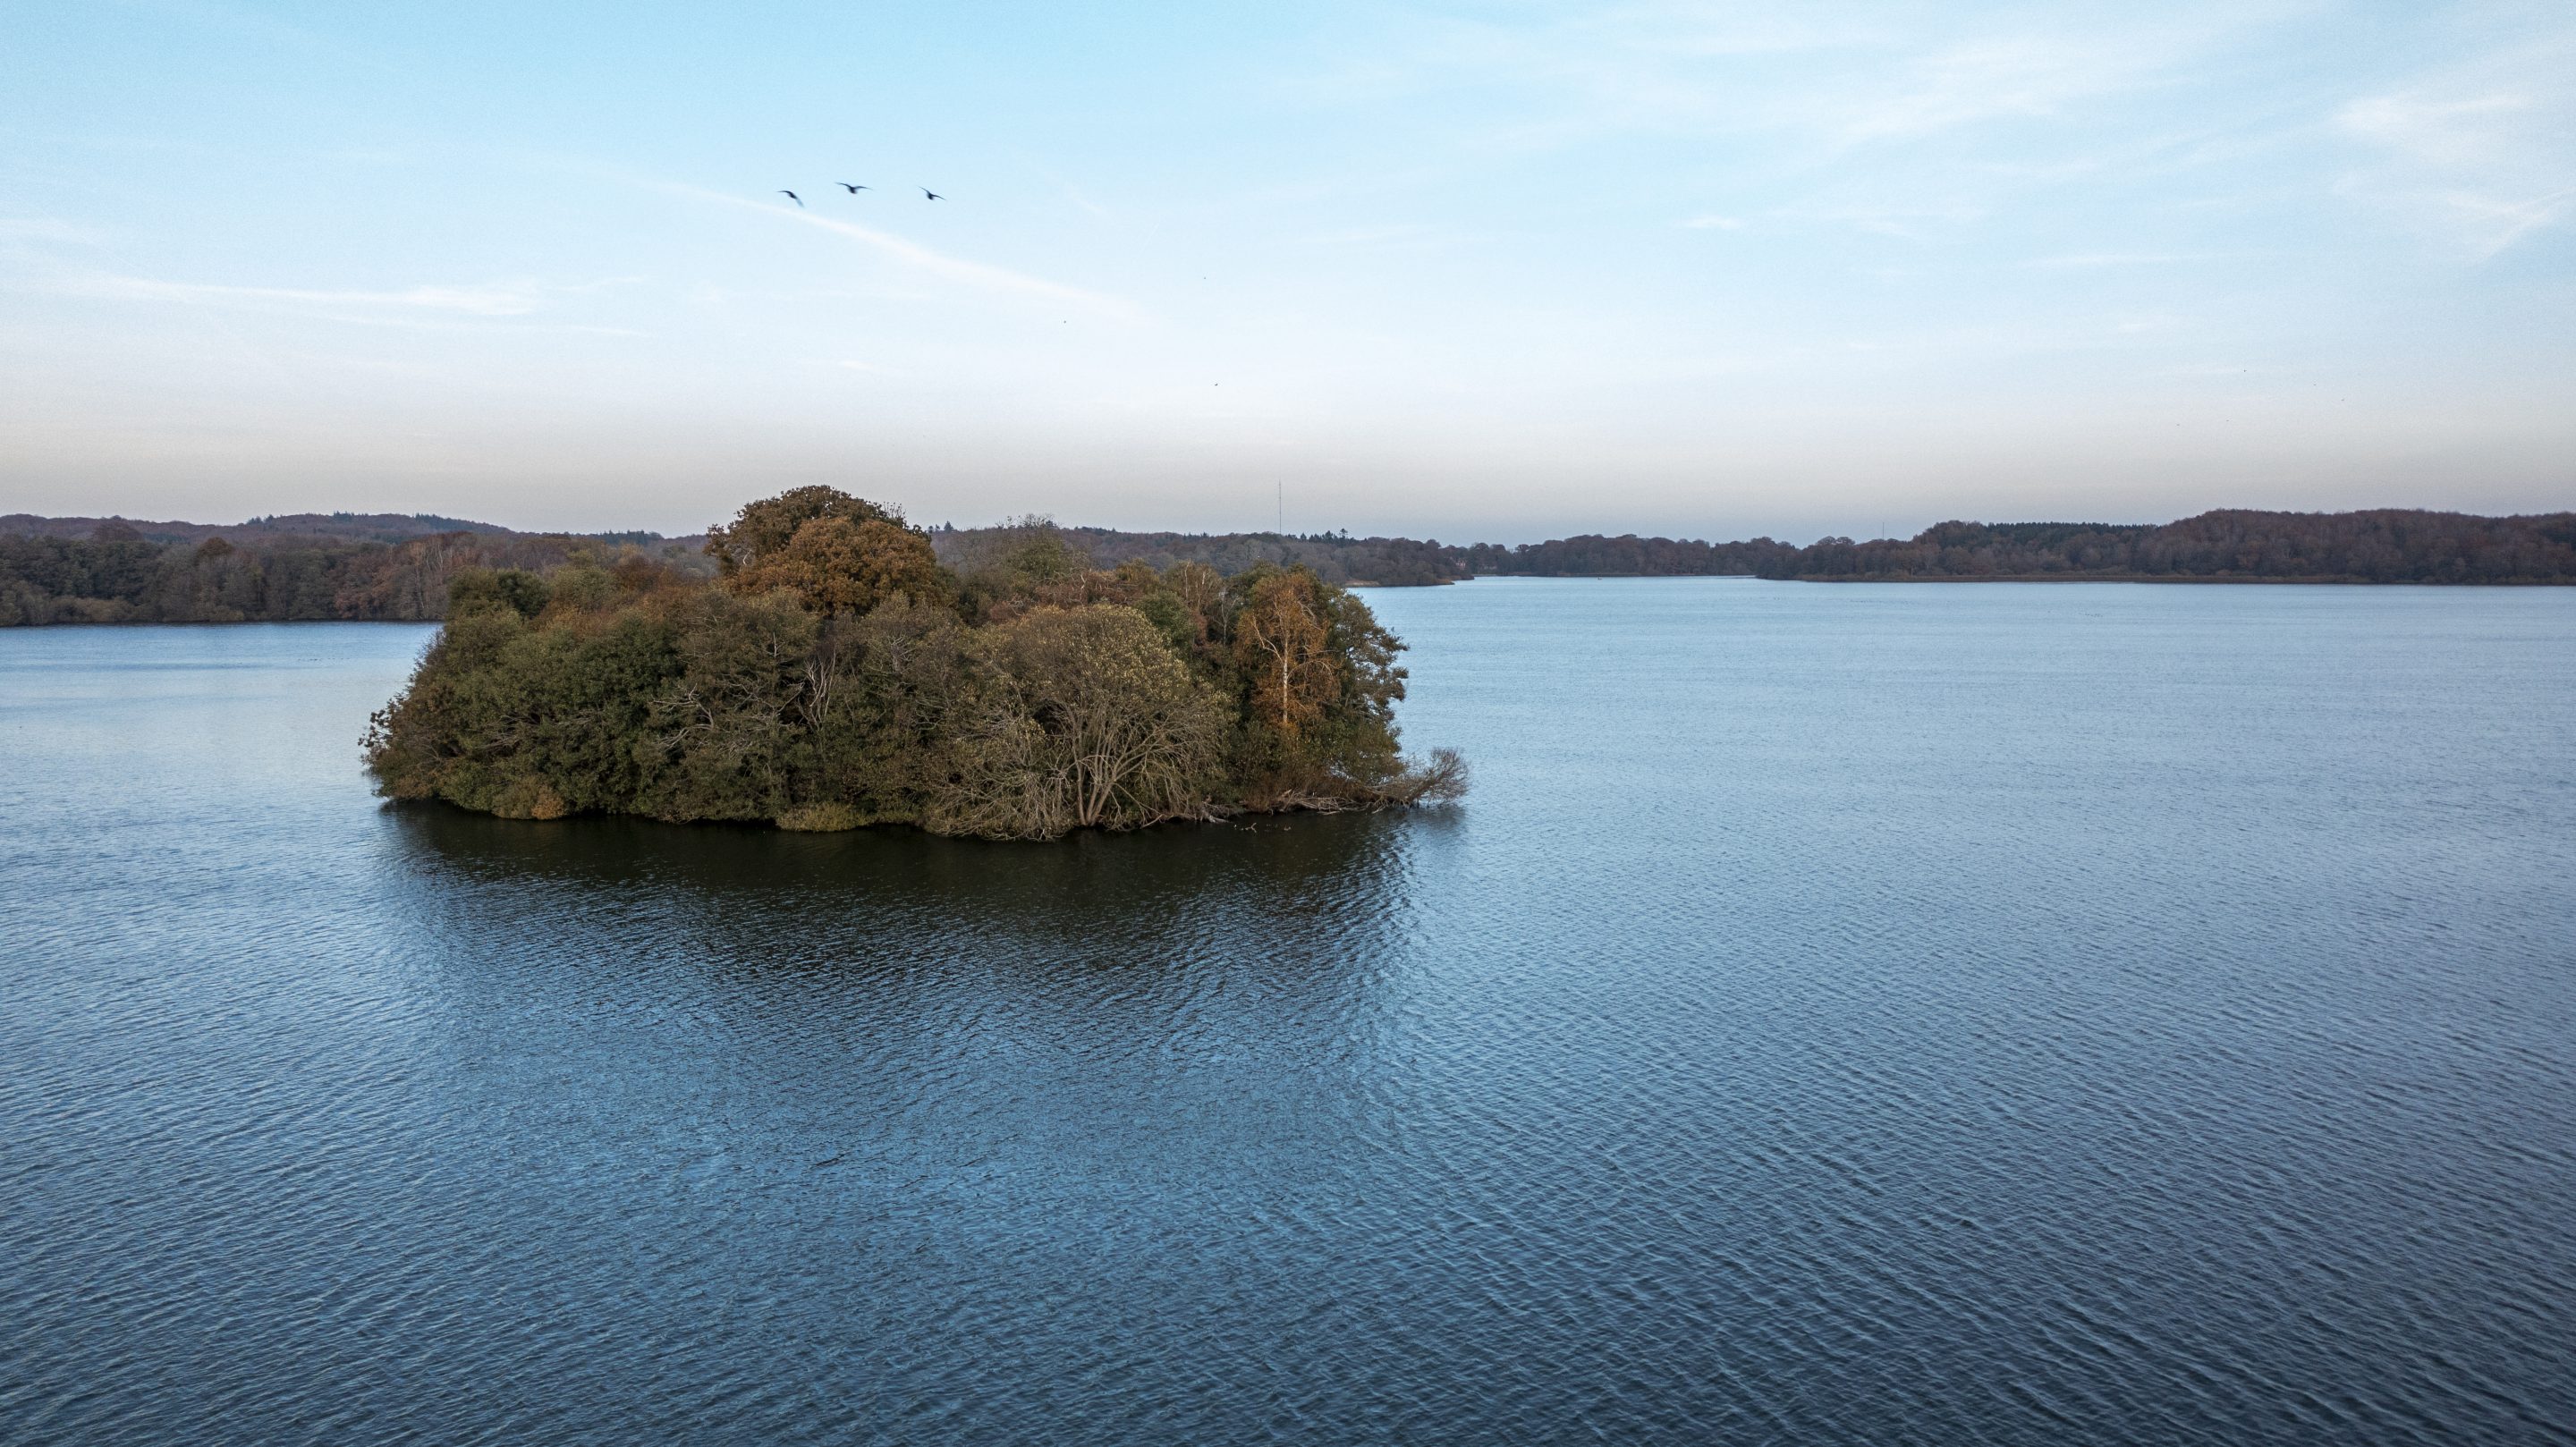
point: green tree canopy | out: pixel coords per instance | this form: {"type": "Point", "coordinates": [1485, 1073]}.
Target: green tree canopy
{"type": "Point", "coordinates": [837, 565]}
{"type": "Point", "coordinates": [767, 526]}
{"type": "Point", "coordinates": [835, 675]}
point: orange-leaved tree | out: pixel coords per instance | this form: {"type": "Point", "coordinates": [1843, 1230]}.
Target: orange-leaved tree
{"type": "Point", "coordinates": [840, 554]}
{"type": "Point", "coordinates": [766, 526]}
{"type": "Point", "coordinates": [1280, 643]}
{"type": "Point", "coordinates": [838, 566]}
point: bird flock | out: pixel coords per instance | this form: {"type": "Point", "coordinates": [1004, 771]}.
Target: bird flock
{"type": "Point", "coordinates": [855, 188]}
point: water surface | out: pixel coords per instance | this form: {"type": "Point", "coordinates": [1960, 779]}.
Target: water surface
{"type": "Point", "coordinates": [1858, 1014]}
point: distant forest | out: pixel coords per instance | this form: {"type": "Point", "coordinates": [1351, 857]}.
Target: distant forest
{"type": "Point", "coordinates": [2392, 545]}
{"type": "Point", "coordinates": [2388, 545]}
{"type": "Point", "coordinates": [1337, 558]}
{"type": "Point", "coordinates": [277, 570]}
{"type": "Point", "coordinates": [396, 567]}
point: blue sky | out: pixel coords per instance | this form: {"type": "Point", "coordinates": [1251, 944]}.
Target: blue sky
{"type": "Point", "coordinates": [1478, 271]}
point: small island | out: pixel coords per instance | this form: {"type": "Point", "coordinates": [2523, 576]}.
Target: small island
{"type": "Point", "coordinates": [834, 674]}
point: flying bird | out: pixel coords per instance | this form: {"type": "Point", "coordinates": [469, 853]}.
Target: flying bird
{"type": "Point", "coordinates": [853, 190]}
{"type": "Point", "coordinates": [792, 196]}
{"type": "Point", "coordinates": [933, 195]}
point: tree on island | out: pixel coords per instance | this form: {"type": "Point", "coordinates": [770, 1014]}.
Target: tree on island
{"type": "Point", "coordinates": [833, 674]}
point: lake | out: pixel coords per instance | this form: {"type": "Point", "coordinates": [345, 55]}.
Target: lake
{"type": "Point", "coordinates": [1840, 1014]}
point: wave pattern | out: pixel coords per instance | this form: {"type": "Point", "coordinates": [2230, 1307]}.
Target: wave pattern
{"type": "Point", "coordinates": [1868, 1015]}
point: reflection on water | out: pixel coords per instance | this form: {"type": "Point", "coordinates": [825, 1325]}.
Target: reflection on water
{"type": "Point", "coordinates": [1855, 1014]}
{"type": "Point", "coordinates": [1119, 1006]}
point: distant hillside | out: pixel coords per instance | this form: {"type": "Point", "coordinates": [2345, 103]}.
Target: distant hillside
{"type": "Point", "coordinates": [340, 526]}
{"type": "Point", "coordinates": [1335, 557]}
{"type": "Point", "coordinates": [391, 566]}
{"type": "Point", "coordinates": [2388, 545]}
{"type": "Point", "coordinates": [1626, 556]}
{"type": "Point", "coordinates": [309, 566]}
{"type": "Point", "coordinates": [2235, 545]}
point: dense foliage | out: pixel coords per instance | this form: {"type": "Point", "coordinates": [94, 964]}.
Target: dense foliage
{"type": "Point", "coordinates": [84, 570]}
{"type": "Point", "coordinates": [834, 675]}
{"type": "Point", "coordinates": [1630, 556]}
{"type": "Point", "coordinates": [253, 575]}
{"type": "Point", "coordinates": [1333, 557]}
{"type": "Point", "coordinates": [2385, 546]}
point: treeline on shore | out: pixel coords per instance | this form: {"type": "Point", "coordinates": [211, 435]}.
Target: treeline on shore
{"type": "Point", "coordinates": [347, 566]}
{"type": "Point", "coordinates": [2388, 545]}
{"type": "Point", "coordinates": [834, 673]}
{"type": "Point", "coordinates": [1408, 562]}
{"type": "Point", "coordinates": [1334, 557]}
{"type": "Point", "coordinates": [382, 569]}
{"type": "Point", "coordinates": [1595, 556]}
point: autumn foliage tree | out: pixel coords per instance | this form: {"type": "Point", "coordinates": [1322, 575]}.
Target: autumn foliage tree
{"type": "Point", "coordinates": [1281, 643]}
{"type": "Point", "coordinates": [1087, 719]}
{"type": "Point", "coordinates": [836, 565]}
{"type": "Point", "coordinates": [766, 526]}
{"type": "Point", "coordinates": [835, 675]}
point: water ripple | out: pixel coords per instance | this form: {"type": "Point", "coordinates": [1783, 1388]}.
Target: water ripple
{"type": "Point", "coordinates": [1871, 1015]}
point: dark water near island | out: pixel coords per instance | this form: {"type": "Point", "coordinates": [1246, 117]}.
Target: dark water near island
{"type": "Point", "coordinates": [1841, 1014]}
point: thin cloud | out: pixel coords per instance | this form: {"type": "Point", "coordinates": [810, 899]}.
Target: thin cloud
{"type": "Point", "coordinates": [1713, 223]}
{"type": "Point", "coordinates": [417, 323]}
{"type": "Point", "coordinates": [1929, 219]}
{"type": "Point", "coordinates": [483, 301]}
{"type": "Point", "coordinates": [2441, 130]}
{"type": "Point", "coordinates": [1993, 79]}
{"type": "Point", "coordinates": [1394, 236]}
{"type": "Point", "coordinates": [1842, 76]}
{"type": "Point", "coordinates": [2097, 260]}
{"type": "Point", "coordinates": [1073, 193]}
{"type": "Point", "coordinates": [251, 25]}
{"type": "Point", "coordinates": [2217, 369]}
{"type": "Point", "coordinates": [1639, 63]}
{"type": "Point", "coordinates": [2510, 221]}
{"type": "Point", "coordinates": [913, 254]}
{"type": "Point", "coordinates": [2480, 153]}
{"type": "Point", "coordinates": [46, 229]}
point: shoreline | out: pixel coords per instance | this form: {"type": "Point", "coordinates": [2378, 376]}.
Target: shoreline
{"type": "Point", "coordinates": [2148, 578]}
